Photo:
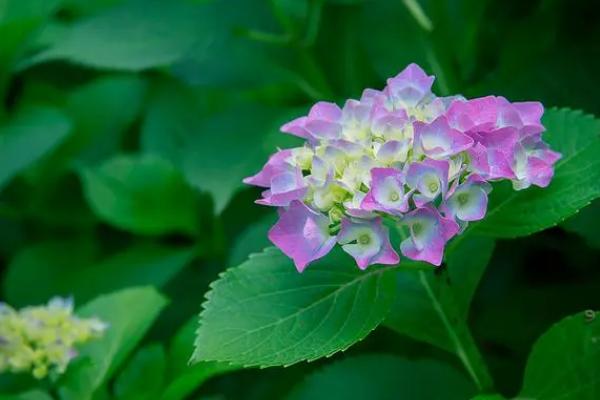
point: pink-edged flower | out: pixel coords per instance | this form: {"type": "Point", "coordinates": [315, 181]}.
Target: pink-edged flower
{"type": "Point", "coordinates": [354, 208]}
{"type": "Point", "coordinates": [429, 232]}
{"type": "Point", "coordinates": [391, 125]}
{"type": "Point", "coordinates": [322, 122]}
{"type": "Point", "coordinates": [278, 163]}
{"type": "Point", "coordinates": [346, 148]}
{"type": "Point", "coordinates": [285, 188]}
{"type": "Point", "coordinates": [409, 87]}
{"type": "Point", "coordinates": [302, 234]}
{"type": "Point", "coordinates": [475, 115]}
{"type": "Point", "coordinates": [403, 154]}
{"type": "Point", "coordinates": [387, 192]}
{"type": "Point", "coordinates": [429, 178]}
{"type": "Point", "coordinates": [530, 114]}
{"type": "Point", "coordinates": [438, 140]}
{"type": "Point", "coordinates": [533, 163]}
{"type": "Point", "coordinates": [356, 120]}
{"type": "Point", "coordinates": [467, 201]}
{"type": "Point", "coordinates": [368, 242]}
{"type": "Point", "coordinates": [493, 155]}
{"type": "Point", "coordinates": [393, 151]}
{"type": "Point", "coordinates": [488, 113]}
{"type": "Point", "coordinates": [332, 192]}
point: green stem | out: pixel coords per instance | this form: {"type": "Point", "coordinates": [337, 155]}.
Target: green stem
{"type": "Point", "coordinates": [438, 71]}
{"type": "Point", "coordinates": [313, 22]}
{"type": "Point", "coordinates": [464, 344]}
{"type": "Point", "coordinates": [419, 14]}
{"type": "Point", "coordinates": [284, 20]}
{"type": "Point", "coordinates": [268, 37]}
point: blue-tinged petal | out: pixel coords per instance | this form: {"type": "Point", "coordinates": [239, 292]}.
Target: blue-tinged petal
{"type": "Point", "coordinates": [302, 234]}
{"type": "Point", "coordinates": [368, 242]}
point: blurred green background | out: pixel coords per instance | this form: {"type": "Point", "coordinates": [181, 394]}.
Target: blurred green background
{"type": "Point", "coordinates": [126, 127]}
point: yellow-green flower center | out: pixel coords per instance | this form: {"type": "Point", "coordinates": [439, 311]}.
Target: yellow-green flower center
{"type": "Point", "coordinates": [417, 229]}
{"type": "Point", "coordinates": [462, 198]}
{"type": "Point", "coordinates": [364, 239]}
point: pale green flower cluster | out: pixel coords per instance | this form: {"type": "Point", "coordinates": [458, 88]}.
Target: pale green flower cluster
{"type": "Point", "coordinates": [42, 339]}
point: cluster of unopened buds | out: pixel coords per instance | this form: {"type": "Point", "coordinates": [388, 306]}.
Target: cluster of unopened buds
{"type": "Point", "coordinates": [401, 155]}
{"type": "Point", "coordinates": [41, 339]}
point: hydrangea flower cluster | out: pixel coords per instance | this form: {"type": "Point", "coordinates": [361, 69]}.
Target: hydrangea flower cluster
{"type": "Point", "coordinates": [400, 154]}
{"type": "Point", "coordinates": [42, 339]}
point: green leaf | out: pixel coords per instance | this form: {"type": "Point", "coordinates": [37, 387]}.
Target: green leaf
{"type": "Point", "coordinates": [585, 223]}
{"type": "Point", "coordinates": [18, 21]}
{"type": "Point", "coordinates": [382, 376]}
{"type": "Point", "coordinates": [565, 361]}
{"type": "Point", "coordinates": [143, 376]}
{"type": "Point", "coordinates": [63, 195]}
{"type": "Point", "coordinates": [488, 397]}
{"type": "Point", "coordinates": [143, 194]}
{"type": "Point", "coordinates": [215, 151]}
{"type": "Point", "coordinates": [102, 110]}
{"type": "Point", "coordinates": [129, 313]}
{"type": "Point", "coordinates": [576, 181]}
{"type": "Point", "coordinates": [432, 305]}
{"type": "Point", "coordinates": [28, 136]}
{"type": "Point", "coordinates": [193, 377]}
{"type": "Point", "coordinates": [134, 36]}
{"type": "Point", "coordinates": [230, 149]}
{"type": "Point", "coordinates": [186, 378]}
{"type": "Point", "coordinates": [75, 262]}
{"type": "Point", "coordinates": [216, 60]}
{"type": "Point", "coordinates": [173, 115]}
{"type": "Point", "coordinates": [264, 313]}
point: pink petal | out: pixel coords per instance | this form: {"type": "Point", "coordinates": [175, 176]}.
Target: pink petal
{"type": "Point", "coordinates": [377, 250]}
{"type": "Point", "coordinates": [276, 165]}
{"type": "Point", "coordinates": [438, 140]}
{"type": "Point", "coordinates": [302, 234]}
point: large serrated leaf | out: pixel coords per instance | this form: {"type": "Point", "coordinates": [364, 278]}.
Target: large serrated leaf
{"type": "Point", "coordinates": [585, 223]}
{"type": "Point", "coordinates": [264, 313]}
{"type": "Point", "coordinates": [565, 361]}
{"type": "Point", "coordinates": [576, 181]}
